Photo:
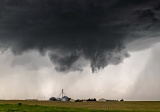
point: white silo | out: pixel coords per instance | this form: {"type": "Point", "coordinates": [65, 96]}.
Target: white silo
{"type": "Point", "coordinates": [65, 98]}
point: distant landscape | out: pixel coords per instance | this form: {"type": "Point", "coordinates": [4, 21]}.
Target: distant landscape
{"type": "Point", "coordinates": [58, 106]}
{"type": "Point", "coordinates": [79, 55]}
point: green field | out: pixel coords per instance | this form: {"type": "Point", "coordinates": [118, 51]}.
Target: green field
{"type": "Point", "coordinates": [47, 106]}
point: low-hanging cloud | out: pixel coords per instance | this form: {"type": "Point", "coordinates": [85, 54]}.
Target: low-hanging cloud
{"type": "Point", "coordinates": [96, 30]}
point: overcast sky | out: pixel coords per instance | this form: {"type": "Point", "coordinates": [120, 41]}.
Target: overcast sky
{"type": "Point", "coordinates": [89, 48]}
{"type": "Point", "coordinates": [33, 76]}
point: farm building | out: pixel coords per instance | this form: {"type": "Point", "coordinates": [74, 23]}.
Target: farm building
{"type": "Point", "coordinates": [65, 98]}
{"type": "Point", "coordinates": [72, 100]}
{"type": "Point", "coordinates": [53, 99]}
{"type": "Point", "coordinates": [102, 100]}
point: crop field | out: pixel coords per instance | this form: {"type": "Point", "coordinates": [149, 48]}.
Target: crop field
{"type": "Point", "coordinates": [48, 106]}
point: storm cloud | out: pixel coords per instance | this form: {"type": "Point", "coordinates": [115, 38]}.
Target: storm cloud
{"type": "Point", "coordinates": [68, 30]}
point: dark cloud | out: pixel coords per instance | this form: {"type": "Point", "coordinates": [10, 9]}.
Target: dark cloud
{"type": "Point", "coordinates": [69, 29]}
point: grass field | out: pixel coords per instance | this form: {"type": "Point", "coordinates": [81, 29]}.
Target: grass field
{"type": "Point", "coordinates": [47, 106]}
